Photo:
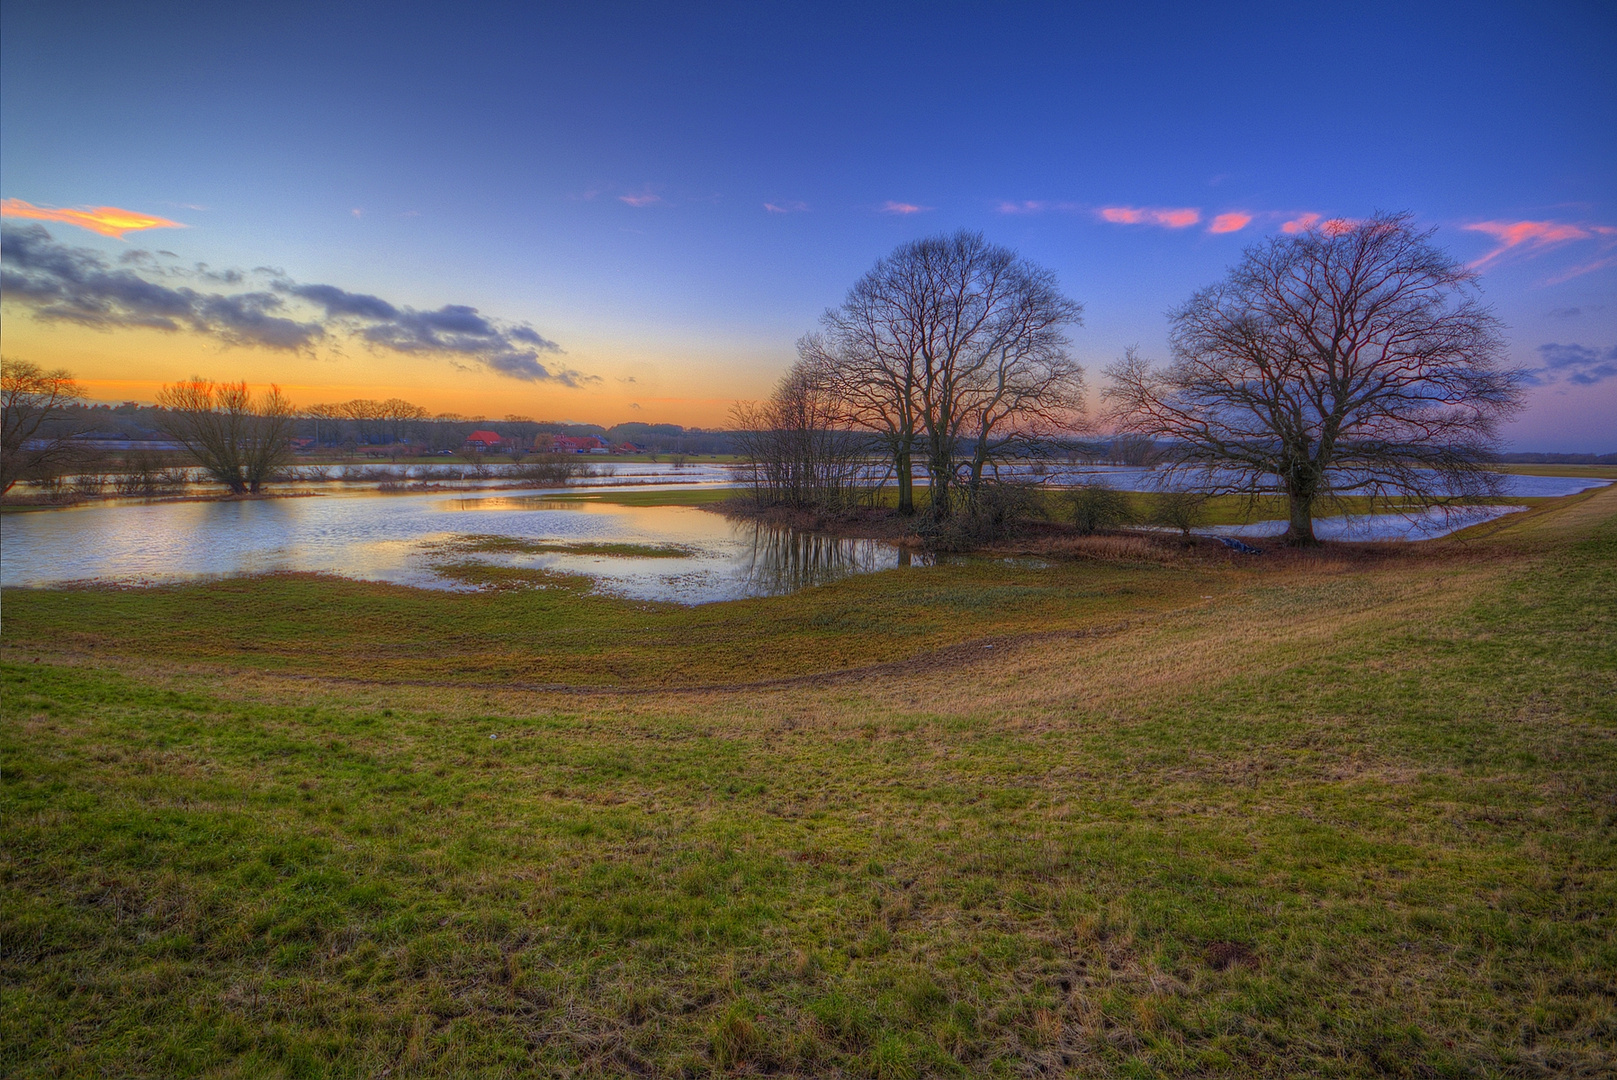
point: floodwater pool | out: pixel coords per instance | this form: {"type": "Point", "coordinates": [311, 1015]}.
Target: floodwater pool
{"type": "Point", "coordinates": [700, 556]}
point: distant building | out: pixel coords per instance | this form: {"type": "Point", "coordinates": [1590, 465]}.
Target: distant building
{"type": "Point", "coordinates": [579, 444]}
{"type": "Point", "coordinates": [484, 440]}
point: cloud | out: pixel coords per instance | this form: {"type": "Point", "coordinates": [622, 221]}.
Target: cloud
{"type": "Point", "coordinates": [903, 208]}
{"type": "Point", "coordinates": [1329, 226]}
{"type": "Point", "coordinates": [1527, 239]}
{"type": "Point", "coordinates": [1577, 364]}
{"type": "Point", "coordinates": [786, 207]}
{"type": "Point", "coordinates": [645, 197]}
{"type": "Point", "coordinates": [1035, 206]}
{"type": "Point", "coordinates": [1166, 217]}
{"type": "Point", "coordinates": [1529, 236]}
{"type": "Point", "coordinates": [106, 220]}
{"type": "Point", "coordinates": [65, 284]}
{"type": "Point", "coordinates": [1234, 221]}
{"type": "Point", "coordinates": [339, 302]}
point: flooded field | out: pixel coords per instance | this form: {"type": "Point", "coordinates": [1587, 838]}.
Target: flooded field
{"type": "Point", "coordinates": [674, 553]}
{"type": "Point", "coordinates": [447, 540]}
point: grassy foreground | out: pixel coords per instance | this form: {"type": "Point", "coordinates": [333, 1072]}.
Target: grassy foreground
{"type": "Point", "coordinates": [1349, 815]}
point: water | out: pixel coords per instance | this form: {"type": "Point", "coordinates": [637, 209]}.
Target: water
{"type": "Point", "coordinates": [1135, 478]}
{"type": "Point", "coordinates": [1426, 524]}
{"type": "Point", "coordinates": [398, 538]}
{"type": "Point", "coordinates": [357, 533]}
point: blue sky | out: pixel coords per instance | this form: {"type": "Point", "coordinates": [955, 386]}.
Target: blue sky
{"type": "Point", "coordinates": [672, 193]}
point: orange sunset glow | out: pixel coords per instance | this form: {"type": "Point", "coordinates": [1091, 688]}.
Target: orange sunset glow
{"type": "Point", "coordinates": [105, 220]}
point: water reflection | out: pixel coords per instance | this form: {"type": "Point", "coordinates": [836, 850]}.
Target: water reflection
{"type": "Point", "coordinates": [402, 539]}
{"type": "Point", "coordinates": [785, 560]}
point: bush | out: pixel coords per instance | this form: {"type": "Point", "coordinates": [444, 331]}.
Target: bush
{"type": "Point", "coordinates": [1182, 510]}
{"type": "Point", "coordinates": [549, 469]}
{"type": "Point", "coordinates": [1096, 507]}
{"type": "Point", "coordinates": [994, 512]}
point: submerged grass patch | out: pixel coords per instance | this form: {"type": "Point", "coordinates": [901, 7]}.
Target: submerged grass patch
{"type": "Point", "coordinates": [477, 544]}
{"type": "Point", "coordinates": [1335, 816]}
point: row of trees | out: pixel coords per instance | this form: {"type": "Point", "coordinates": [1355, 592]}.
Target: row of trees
{"type": "Point", "coordinates": [377, 421]}
{"type": "Point", "coordinates": [1352, 359]}
{"type": "Point", "coordinates": [238, 438]}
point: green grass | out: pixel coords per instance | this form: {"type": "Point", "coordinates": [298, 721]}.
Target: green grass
{"type": "Point", "coordinates": [561, 633]}
{"type": "Point", "coordinates": [1602, 472]}
{"type": "Point", "coordinates": [658, 496]}
{"type": "Point", "coordinates": [485, 544]}
{"type": "Point", "coordinates": [1335, 816]}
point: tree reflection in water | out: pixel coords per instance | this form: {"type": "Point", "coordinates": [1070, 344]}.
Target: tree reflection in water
{"type": "Point", "coordinates": [784, 560]}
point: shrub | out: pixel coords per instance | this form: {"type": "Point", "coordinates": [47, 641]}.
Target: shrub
{"type": "Point", "coordinates": [1096, 507]}
{"type": "Point", "coordinates": [1182, 510]}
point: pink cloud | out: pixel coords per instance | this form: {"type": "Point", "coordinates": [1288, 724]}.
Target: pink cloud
{"type": "Point", "coordinates": [1231, 222]}
{"type": "Point", "coordinates": [106, 220]}
{"type": "Point", "coordinates": [891, 207]}
{"type": "Point", "coordinates": [1035, 206]}
{"type": "Point", "coordinates": [1328, 226]}
{"type": "Point", "coordinates": [1586, 268]}
{"type": "Point", "coordinates": [1528, 237]}
{"type": "Point", "coordinates": [786, 207]}
{"type": "Point", "coordinates": [644, 198]}
{"type": "Point", "coordinates": [1167, 217]}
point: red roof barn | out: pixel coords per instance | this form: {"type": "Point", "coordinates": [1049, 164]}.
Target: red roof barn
{"type": "Point", "coordinates": [488, 440]}
{"type": "Point", "coordinates": [578, 444]}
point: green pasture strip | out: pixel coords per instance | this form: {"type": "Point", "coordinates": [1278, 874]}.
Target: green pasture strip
{"type": "Point", "coordinates": [1390, 853]}
{"type": "Point", "coordinates": [494, 544]}
{"type": "Point", "coordinates": [660, 496]}
{"type": "Point", "coordinates": [565, 634]}
{"type": "Point", "coordinates": [1599, 472]}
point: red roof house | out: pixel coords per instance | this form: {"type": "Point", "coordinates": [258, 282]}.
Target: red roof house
{"type": "Point", "coordinates": [577, 444]}
{"type": "Point", "coordinates": [486, 440]}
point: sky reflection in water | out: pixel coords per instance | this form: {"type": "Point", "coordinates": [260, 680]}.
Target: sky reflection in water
{"type": "Point", "coordinates": [390, 538]}
{"type": "Point", "coordinates": [361, 534]}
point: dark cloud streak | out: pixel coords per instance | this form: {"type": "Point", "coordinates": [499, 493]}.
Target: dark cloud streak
{"type": "Point", "coordinates": [1577, 364]}
{"type": "Point", "coordinates": [61, 283]}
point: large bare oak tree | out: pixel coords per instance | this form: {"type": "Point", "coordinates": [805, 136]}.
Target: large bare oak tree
{"type": "Point", "coordinates": [950, 347]}
{"type": "Point", "coordinates": [1355, 358]}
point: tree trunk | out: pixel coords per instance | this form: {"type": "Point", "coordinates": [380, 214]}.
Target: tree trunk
{"type": "Point", "coordinates": [1301, 531]}
{"type": "Point", "coordinates": [906, 484]}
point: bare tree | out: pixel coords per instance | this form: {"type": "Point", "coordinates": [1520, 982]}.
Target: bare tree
{"type": "Point", "coordinates": [30, 397]}
{"type": "Point", "coordinates": [947, 340]}
{"type": "Point", "coordinates": [369, 417]}
{"type": "Point", "coordinates": [399, 416]}
{"type": "Point", "coordinates": [237, 438]}
{"type": "Point", "coordinates": [795, 453]}
{"type": "Point", "coordinates": [1355, 358]}
{"type": "Point", "coordinates": [325, 414]}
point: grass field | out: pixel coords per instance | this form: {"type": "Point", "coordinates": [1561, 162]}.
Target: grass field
{"type": "Point", "coordinates": [1123, 810]}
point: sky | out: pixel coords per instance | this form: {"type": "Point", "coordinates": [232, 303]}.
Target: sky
{"type": "Point", "coordinates": [612, 212]}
